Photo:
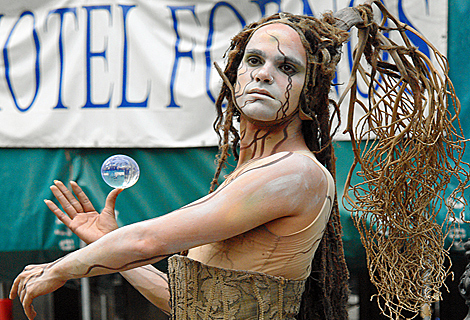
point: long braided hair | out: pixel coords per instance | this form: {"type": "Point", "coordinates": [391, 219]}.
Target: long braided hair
{"type": "Point", "coordinates": [326, 291]}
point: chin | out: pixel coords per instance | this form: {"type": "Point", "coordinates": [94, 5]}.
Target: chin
{"type": "Point", "coordinates": [260, 112]}
{"type": "Point", "coordinates": [260, 116]}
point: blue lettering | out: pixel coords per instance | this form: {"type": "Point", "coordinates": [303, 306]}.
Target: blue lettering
{"type": "Point", "coordinates": [417, 41]}
{"type": "Point", "coordinates": [178, 54]}
{"type": "Point", "coordinates": [61, 12]}
{"type": "Point", "coordinates": [335, 82]}
{"type": "Point", "coordinates": [90, 55]}
{"type": "Point", "coordinates": [7, 61]}
{"type": "Point", "coordinates": [209, 42]}
{"type": "Point", "coordinates": [262, 5]}
{"type": "Point", "coordinates": [124, 102]}
{"type": "Point", "coordinates": [307, 9]}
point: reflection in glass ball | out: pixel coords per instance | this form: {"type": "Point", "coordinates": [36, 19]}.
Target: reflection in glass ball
{"type": "Point", "coordinates": [120, 171]}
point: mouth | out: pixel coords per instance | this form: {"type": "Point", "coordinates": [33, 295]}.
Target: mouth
{"type": "Point", "coordinates": [262, 92]}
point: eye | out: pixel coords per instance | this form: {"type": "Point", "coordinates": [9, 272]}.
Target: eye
{"type": "Point", "coordinates": [253, 61]}
{"type": "Point", "coordinates": [288, 69]}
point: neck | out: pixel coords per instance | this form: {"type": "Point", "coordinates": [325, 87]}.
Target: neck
{"type": "Point", "coordinates": [259, 141]}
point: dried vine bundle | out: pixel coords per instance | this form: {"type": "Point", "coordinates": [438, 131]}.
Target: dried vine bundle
{"type": "Point", "coordinates": [409, 145]}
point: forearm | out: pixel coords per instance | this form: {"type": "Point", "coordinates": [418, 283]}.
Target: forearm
{"type": "Point", "coordinates": [152, 284]}
{"type": "Point", "coordinates": [120, 250]}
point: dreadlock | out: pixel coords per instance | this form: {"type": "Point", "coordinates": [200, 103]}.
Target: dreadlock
{"type": "Point", "coordinates": [326, 290]}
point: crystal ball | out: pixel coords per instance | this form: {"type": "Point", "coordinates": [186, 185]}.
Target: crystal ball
{"type": "Point", "coordinates": [120, 171]}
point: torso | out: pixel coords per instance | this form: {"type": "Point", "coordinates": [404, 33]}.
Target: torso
{"type": "Point", "coordinates": [282, 247]}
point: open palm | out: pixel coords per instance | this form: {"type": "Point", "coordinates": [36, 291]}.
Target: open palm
{"type": "Point", "coordinates": [80, 216]}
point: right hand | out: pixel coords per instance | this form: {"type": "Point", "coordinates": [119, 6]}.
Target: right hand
{"type": "Point", "coordinates": [35, 281]}
{"type": "Point", "coordinates": [80, 216]}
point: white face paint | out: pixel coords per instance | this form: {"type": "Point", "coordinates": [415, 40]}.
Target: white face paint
{"type": "Point", "coordinates": [272, 73]}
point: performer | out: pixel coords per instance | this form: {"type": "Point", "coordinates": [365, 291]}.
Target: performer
{"type": "Point", "coordinates": [252, 242]}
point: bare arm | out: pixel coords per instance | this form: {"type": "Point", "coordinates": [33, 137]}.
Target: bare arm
{"type": "Point", "coordinates": [245, 203]}
{"type": "Point", "coordinates": [152, 284]}
{"type": "Point", "coordinates": [81, 217]}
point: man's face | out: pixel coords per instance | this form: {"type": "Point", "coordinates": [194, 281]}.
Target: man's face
{"type": "Point", "coordinates": [272, 73]}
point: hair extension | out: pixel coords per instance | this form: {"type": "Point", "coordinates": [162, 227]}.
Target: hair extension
{"type": "Point", "coordinates": [412, 146]}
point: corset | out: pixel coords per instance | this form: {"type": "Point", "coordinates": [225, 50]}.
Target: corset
{"type": "Point", "coordinates": [204, 292]}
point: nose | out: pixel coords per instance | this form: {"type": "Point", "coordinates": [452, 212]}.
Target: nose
{"type": "Point", "coordinates": [264, 74]}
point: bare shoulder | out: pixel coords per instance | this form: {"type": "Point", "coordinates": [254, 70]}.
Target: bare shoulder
{"type": "Point", "coordinates": [308, 192]}
{"type": "Point", "coordinates": [283, 191]}
{"type": "Point", "coordinates": [292, 172]}
{"type": "Point", "coordinates": [310, 172]}
{"type": "Point", "coordinates": [287, 161]}
{"type": "Point", "coordinates": [301, 164]}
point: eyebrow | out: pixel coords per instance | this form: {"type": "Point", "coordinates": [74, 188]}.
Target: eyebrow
{"type": "Point", "coordinates": [284, 57]}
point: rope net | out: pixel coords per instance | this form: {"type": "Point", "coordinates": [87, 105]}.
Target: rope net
{"type": "Point", "coordinates": [409, 145]}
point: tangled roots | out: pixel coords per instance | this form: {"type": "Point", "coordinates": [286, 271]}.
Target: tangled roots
{"type": "Point", "coordinates": [412, 145]}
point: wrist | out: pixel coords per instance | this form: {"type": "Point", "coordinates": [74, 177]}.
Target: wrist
{"type": "Point", "coordinates": [59, 270]}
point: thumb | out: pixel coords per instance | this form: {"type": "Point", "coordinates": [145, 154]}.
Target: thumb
{"type": "Point", "coordinates": [111, 201]}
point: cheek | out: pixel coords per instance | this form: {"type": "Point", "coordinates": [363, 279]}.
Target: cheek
{"type": "Point", "coordinates": [296, 90]}
{"type": "Point", "coordinates": [239, 84]}
{"type": "Point", "coordinates": [241, 77]}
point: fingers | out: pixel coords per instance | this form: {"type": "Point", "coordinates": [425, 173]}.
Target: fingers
{"type": "Point", "coordinates": [26, 300]}
{"type": "Point", "coordinates": [82, 198]}
{"type": "Point", "coordinates": [28, 306]}
{"type": "Point", "coordinates": [35, 281]}
{"type": "Point", "coordinates": [22, 291]}
{"type": "Point", "coordinates": [58, 213]}
{"type": "Point", "coordinates": [70, 204]}
{"type": "Point", "coordinates": [18, 289]}
{"type": "Point", "coordinates": [20, 283]}
{"type": "Point", "coordinates": [67, 200]}
{"type": "Point", "coordinates": [14, 289]}
{"type": "Point", "coordinates": [63, 195]}
{"type": "Point", "coordinates": [111, 201]}
{"type": "Point", "coordinates": [29, 309]}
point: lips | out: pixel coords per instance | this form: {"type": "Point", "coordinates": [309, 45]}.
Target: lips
{"type": "Point", "coordinates": [261, 92]}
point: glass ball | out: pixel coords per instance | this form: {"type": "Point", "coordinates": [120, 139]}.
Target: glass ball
{"type": "Point", "coordinates": [120, 171]}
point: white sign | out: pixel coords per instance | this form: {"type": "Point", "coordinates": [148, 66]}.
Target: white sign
{"type": "Point", "coordinates": [87, 73]}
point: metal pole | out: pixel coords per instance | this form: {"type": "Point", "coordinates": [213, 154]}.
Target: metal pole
{"type": "Point", "coordinates": [104, 306]}
{"type": "Point", "coordinates": [85, 294]}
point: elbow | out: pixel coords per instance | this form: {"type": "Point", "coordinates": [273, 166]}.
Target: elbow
{"type": "Point", "coordinates": [148, 249]}
{"type": "Point", "coordinates": [149, 246]}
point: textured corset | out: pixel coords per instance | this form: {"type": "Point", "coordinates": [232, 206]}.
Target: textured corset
{"type": "Point", "coordinates": [204, 292]}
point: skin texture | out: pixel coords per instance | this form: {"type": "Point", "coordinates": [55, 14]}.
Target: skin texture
{"type": "Point", "coordinates": [80, 216]}
{"type": "Point", "coordinates": [272, 73]}
{"type": "Point", "coordinates": [243, 203]}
